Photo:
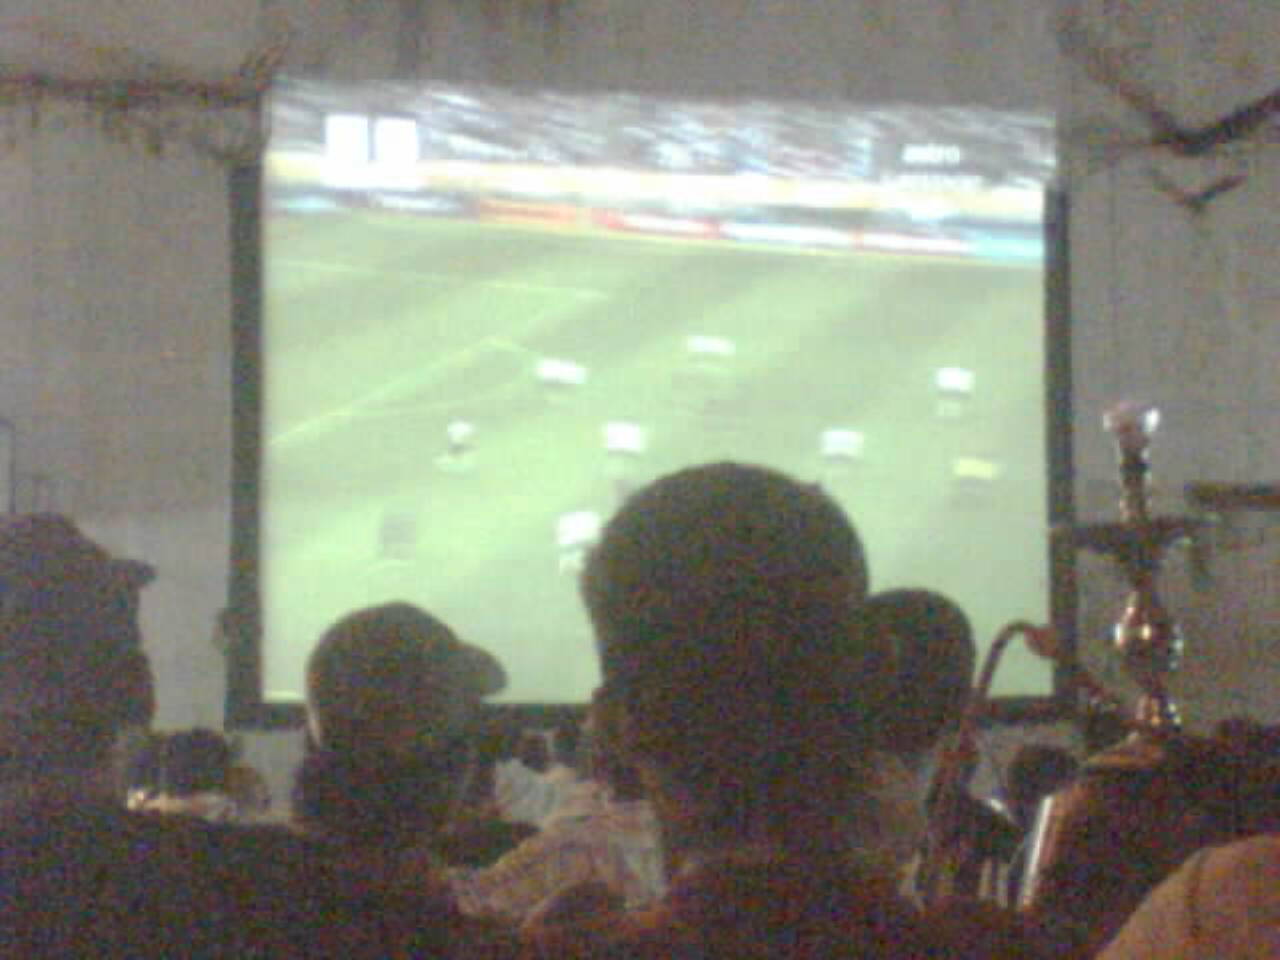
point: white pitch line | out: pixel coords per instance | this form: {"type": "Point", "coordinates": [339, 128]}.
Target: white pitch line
{"type": "Point", "coordinates": [320, 423]}
{"type": "Point", "coordinates": [314, 426]}
{"type": "Point", "coordinates": [519, 287]}
{"type": "Point", "coordinates": [330, 267]}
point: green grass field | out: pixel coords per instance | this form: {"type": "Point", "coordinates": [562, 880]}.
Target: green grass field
{"type": "Point", "coordinates": [380, 330]}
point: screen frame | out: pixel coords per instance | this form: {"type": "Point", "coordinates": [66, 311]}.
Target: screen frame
{"type": "Point", "coordinates": [245, 707]}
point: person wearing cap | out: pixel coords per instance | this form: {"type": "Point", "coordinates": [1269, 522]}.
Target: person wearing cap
{"type": "Point", "coordinates": [392, 698]}
{"type": "Point", "coordinates": [83, 876]}
{"type": "Point", "coordinates": [757, 684]}
{"type": "Point", "coordinates": [73, 675]}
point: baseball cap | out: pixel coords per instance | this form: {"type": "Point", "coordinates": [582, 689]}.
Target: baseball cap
{"type": "Point", "coordinates": [69, 637]}
{"type": "Point", "coordinates": [393, 677]}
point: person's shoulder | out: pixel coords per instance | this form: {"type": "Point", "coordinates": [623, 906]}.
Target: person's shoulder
{"type": "Point", "coordinates": [108, 882]}
{"type": "Point", "coordinates": [663, 933]}
{"type": "Point", "coordinates": [1256, 853]}
{"type": "Point", "coordinates": [95, 879]}
{"type": "Point", "coordinates": [1224, 900]}
{"type": "Point", "coordinates": [74, 839]}
{"type": "Point", "coordinates": [654, 934]}
{"type": "Point", "coordinates": [967, 928]}
{"type": "Point", "coordinates": [300, 892]}
{"type": "Point", "coordinates": [751, 908]}
{"type": "Point", "coordinates": [1241, 875]}
{"type": "Point", "coordinates": [1239, 879]}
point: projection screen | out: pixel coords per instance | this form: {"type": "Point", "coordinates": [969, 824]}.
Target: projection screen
{"type": "Point", "coordinates": [486, 316]}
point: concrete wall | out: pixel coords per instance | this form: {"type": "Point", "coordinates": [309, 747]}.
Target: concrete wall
{"type": "Point", "coordinates": [1181, 309]}
{"type": "Point", "coordinates": [114, 262]}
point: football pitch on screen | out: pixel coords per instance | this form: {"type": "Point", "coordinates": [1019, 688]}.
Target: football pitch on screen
{"type": "Point", "coordinates": [451, 409]}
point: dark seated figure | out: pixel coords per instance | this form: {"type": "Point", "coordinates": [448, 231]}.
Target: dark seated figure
{"type": "Point", "coordinates": [92, 879]}
{"type": "Point", "coordinates": [759, 686]}
{"type": "Point", "coordinates": [392, 701]}
{"type": "Point", "coordinates": [1135, 813]}
{"type": "Point", "coordinates": [778, 907]}
{"type": "Point", "coordinates": [81, 876]}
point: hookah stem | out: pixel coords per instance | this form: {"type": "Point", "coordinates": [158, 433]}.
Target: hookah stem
{"type": "Point", "coordinates": [1135, 477]}
{"type": "Point", "coordinates": [956, 765]}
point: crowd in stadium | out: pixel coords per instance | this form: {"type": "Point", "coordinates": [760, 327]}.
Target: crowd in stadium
{"type": "Point", "coordinates": [845, 141]}
{"type": "Point", "coordinates": [941, 181]}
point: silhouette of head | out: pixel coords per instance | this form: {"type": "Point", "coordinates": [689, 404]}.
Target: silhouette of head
{"type": "Point", "coordinates": [392, 696]}
{"type": "Point", "coordinates": [754, 673]}
{"type": "Point", "coordinates": [72, 670]}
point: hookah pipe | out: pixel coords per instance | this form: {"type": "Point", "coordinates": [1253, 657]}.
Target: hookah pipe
{"type": "Point", "coordinates": [1147, 638]}
{"type": "Point", "coordinates": [945, 848]}
{"type": "Point", "coordinates": [1102, 842]}
{"type": "Point", "coordinates": [1145, 635]}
